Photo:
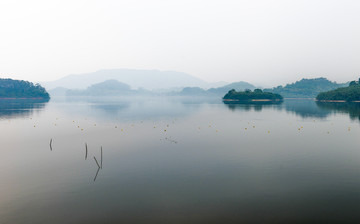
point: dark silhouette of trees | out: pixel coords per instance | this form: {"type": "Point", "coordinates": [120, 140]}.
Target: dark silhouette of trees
{"type": "Point", "coordinates": [10, 88]}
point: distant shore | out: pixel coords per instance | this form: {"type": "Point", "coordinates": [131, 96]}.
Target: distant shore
{"type": "Point", "coordinates": [338, 101]}
{"type": "Point", "coordinates": [252, 100]}
{"type": "Point", "coordinates": [22, 98]}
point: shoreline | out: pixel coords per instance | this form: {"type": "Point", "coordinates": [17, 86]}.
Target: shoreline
{"type": "Point", "coordinates": [23, 98]}
{"type": "Point", "coordinates": [251, 100]}
{"type": "Point", "coordinates": [338, 101]}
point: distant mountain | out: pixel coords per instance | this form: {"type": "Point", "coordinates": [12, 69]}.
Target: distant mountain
{"type": "Point", "coordinates": [10, 88]}
{"type": "Point", "coordinates": [305, 88]}
{"type": "Point", "coordinates": [238, 86]}
{"type": "Point", "coordinates": [148, 79]}
{"type": "Point", "coordinates": [221, 91]}
{"type": "Point", "coordinates": [193, 91]}
{"type": "Point", "coordinates": [106, 88]}
{"type": "Point", "coordinates": [58, 91]}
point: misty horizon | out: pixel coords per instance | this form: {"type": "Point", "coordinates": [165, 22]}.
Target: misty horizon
{"type": "Point", "coordinates": [266, 43]}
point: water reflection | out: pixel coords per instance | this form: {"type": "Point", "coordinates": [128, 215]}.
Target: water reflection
{"type": "Point", "coordinates": [248, 106]}
{"type": "Point", "coordinates": [126, 108]}
{"type": "Point", "coordinates": [191, 175]}
{"type": "Point", "coordinates": [143, 108]}
{"type": "Point", "coordinates": [352, 108]}
{"type": "Point", "coordinates": [14, 108]}
{"type": "Point", "coordinates": [305, 108]}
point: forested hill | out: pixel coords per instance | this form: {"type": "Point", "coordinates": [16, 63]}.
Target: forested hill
{"type": "Point", "coordinates": [248, 95]}
{"type": "Point", "coordinates": [350, 93]}
{"type": "Point", "coordinates": [305, 88]}
{"type": "Point", "coordinates": [10, 88]}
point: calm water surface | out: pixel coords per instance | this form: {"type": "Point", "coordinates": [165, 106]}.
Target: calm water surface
{"type": "Point", "coordinates": [179, 161]}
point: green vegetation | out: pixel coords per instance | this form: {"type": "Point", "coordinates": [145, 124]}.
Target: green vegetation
{"type": "Point", "coordinates": [10, 88]}
{"type": "Point", "coordinates": [305, 88]}
{"type": "Point", "coordinates": [350, 93]}
{"type": "Point", "coordinates": [249, 95]}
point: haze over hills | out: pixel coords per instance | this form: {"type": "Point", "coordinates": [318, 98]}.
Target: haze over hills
{"type": "Point", "coordinates": [106, 88]}
{"type": "Point", "coordinates": [220, 91]}
{"type": "Point", "coordinates": [306, 88]}
{"type": "Point", "coordinates": [157, 82]}
{"type": "Point", "coordinates": [147, 79]}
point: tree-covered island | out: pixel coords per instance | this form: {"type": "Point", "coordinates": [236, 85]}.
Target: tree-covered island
{"type": "Point", "coordinates": [345, 94]}
{"type": "Point", "coordinates": [250, 96]}
{"type": "Point", "coordinates": [10, 88]}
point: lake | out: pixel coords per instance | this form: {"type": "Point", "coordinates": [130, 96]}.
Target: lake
{"type": "Point", "coordinates": [178, 160]}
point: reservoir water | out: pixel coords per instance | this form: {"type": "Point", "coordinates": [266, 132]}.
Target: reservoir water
{"type": "Point", "coordinates": [178, 160]}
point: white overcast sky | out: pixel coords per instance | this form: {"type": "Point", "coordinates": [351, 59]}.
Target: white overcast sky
{"type": "Point", "coordinates": [266, 42]}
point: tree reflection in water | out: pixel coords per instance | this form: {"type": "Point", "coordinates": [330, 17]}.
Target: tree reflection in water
{"type": "Point", "coordinates": [14, 108]}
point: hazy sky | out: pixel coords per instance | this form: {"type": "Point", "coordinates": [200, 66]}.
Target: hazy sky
{"type": "Point", "coordinates": [265, 42]}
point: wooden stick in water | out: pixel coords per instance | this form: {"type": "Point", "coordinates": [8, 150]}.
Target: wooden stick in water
{"type": "Point", "coordinates": [86, 151]}
{"type": "Point", "coordinates": [96, 162]}
{"type": "Point", "coordinates": [97, 172]}
{"type": "Point", "coordinates": [101, 158]}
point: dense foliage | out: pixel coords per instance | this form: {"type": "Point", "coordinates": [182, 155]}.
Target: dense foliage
{"type": "Point", "coordinates": [305, 88]}
{"type": "Point", "coordinates": [10, 88]}
{"type": "Point", "coordinates": [350, 93]}
{"type": "Point", "coordinates": [247, 95]}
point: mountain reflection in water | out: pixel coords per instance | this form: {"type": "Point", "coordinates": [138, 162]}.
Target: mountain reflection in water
{"type": "Point", "coordinates": [305, 108]}
{"type": "Point", "coordinates": [351, 108]}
